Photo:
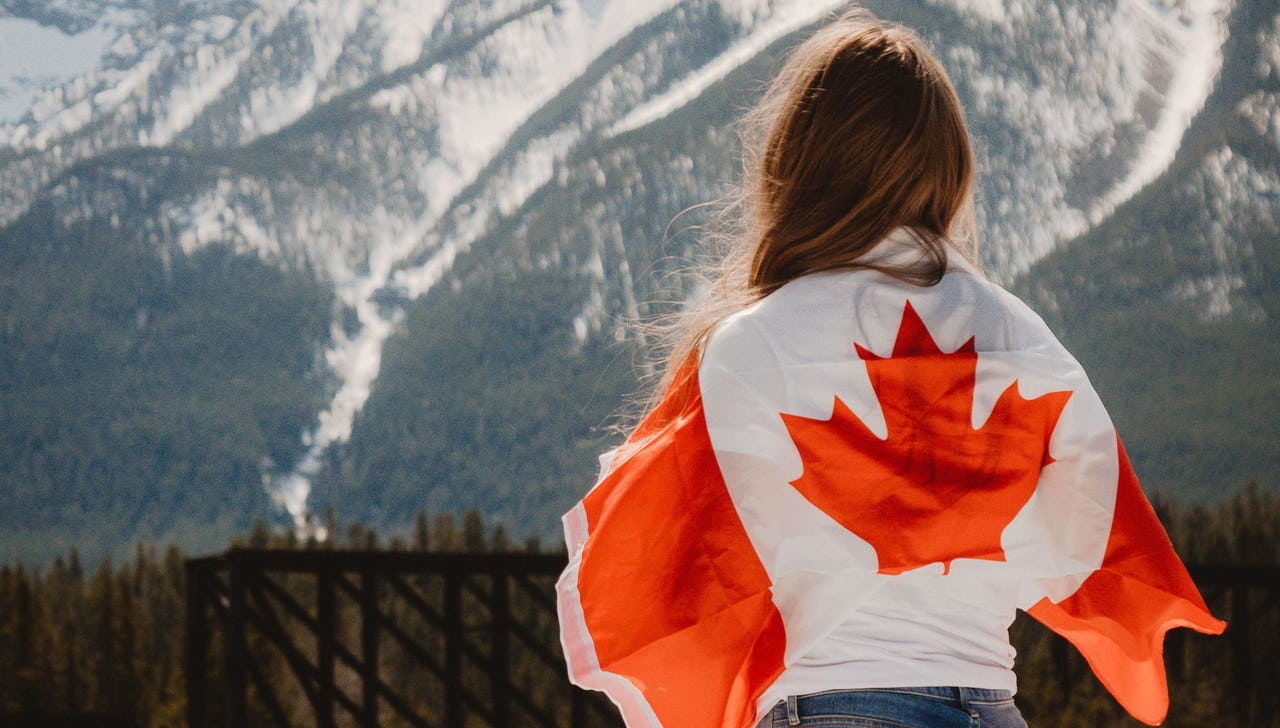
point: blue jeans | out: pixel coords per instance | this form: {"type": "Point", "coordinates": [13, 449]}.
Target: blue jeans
{"type": "Point", "coordinates": [929, 707]}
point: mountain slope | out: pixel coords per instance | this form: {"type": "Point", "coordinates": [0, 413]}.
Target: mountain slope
{"type": "Point", "coordinates": [614, 201]}
{"type": "Point", "coordinates": [428, 222]}
{"type": "Point", "coordinates": [1173, 303]}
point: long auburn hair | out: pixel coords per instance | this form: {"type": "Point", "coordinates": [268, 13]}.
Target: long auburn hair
{"type": "Point", "coordinates": [860, 133]}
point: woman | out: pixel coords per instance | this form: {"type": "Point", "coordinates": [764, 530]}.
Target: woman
{"type": "Point", "coordinates": [865, 456]}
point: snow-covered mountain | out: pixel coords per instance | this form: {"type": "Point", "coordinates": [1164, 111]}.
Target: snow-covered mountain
{"type": "Point", "coordinates": [405, 151]}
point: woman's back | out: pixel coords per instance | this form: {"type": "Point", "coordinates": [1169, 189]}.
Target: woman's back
{"type": "Point", "coordinates": [887, 440]}
{"type": "Point", "coordinates": [864, 455]}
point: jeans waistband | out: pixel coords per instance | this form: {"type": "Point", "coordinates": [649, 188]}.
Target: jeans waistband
{"type": "Point", "coordinates": [963, 696]}
{"type": "Point", "coordinates": [932, 706]}
{"type": "Point", "coordinates": [960, 696]}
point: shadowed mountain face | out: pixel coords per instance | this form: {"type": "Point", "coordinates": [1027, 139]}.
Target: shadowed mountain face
{"type": "Point", "coordinates": [379, 255]}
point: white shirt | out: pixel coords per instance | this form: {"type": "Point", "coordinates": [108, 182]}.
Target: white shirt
{"type": "Point", "coordinates": [789, 353]}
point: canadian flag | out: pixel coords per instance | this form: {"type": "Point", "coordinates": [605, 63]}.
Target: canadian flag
{"type": "Point", "coordinates": [845, 430]}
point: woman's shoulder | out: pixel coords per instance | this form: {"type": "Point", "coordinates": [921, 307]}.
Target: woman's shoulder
{"type": "Point", "coordinates": [995, 309]}
{"type": "Point", "coordinates": [864, 303]}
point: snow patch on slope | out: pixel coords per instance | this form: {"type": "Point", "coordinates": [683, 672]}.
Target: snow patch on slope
{"type": "Point", "coordinates": [210, 67]}
{"type": "Point", "coordinates": [480, 101]}
{"type": "Point", "coordinates": [126, 83]}
{"type": "Point", "coordinates": [786, 21]}
{"type": "Point", "coordinates": [1104, 106]}
{"type": "Point", "coordinates": [327, 25]}
{"type": "Point", "coordinates": [407, 26]}
{"type": "Point", "coordinates": [1198, 37]}
{"type": "Point", "coordinates": [991, 11]}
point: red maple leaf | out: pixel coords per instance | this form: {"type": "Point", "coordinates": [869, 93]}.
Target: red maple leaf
{"type": "Point", "coordinates": [935, 489]}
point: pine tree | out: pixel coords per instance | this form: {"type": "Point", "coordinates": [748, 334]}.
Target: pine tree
{"type": "Point", "coordinates": [421, 533]}
{"type": "Point", "coordinates": [8, 668]}
{"type": "Point", "coordinates": [24, 633]}
{"type": "Point", "coordinates": [473, 539]}
{"type": "Point", "coordinates": [104, 653]}
{"type": "Point", "coordinates": [72, 669]}
{"type": "Point", "coordinates": [445, 532]}
{"type": "Point", "coordinates": [330, 528]}
{"type": "Point", "coordinates": [356, 535]}
{"type": "Point", "coordinates": [260, 536]}
{"type": "Point", "coordinates": [499, 541]}
{"type": "Point", "coordinates": [74, 568]}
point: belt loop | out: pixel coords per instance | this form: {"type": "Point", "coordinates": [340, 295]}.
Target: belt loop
{"type": "Point", "coordinates": [793, 711]}
{"type": "Point", "coordinates": [963, 695]}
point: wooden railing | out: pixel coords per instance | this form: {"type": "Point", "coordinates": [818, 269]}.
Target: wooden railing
{"type": "Point", "coordinates": [330, 638]}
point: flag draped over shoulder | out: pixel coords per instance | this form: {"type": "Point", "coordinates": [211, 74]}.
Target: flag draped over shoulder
{"type": "Point", "coordinates": [846, 430]}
